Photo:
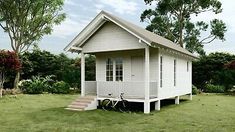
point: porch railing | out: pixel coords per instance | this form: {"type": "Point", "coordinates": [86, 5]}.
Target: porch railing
{"type": "Point", "coordinates": [130, 89]}
{"type": "Point", "coordinates": [90, 87]}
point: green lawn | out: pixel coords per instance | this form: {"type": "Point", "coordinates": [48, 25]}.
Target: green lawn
{"type": "Point", "coordinates": [46, 113]}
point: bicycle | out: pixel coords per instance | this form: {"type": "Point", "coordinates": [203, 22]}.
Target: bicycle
{"type": "Point", "coordinates": [120, 103]}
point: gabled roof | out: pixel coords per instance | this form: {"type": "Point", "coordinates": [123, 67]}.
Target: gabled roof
{"type": "Point", "coordinates": [144, 35]}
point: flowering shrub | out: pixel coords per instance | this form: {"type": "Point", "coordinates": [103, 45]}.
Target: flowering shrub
{"type": "Point", "coordinates": [8, 62]}
{"type": "Point", "coordinates": [39, 85]}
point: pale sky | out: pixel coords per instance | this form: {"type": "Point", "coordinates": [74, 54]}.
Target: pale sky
{"type": "Point", "coordinates": [81, 12]}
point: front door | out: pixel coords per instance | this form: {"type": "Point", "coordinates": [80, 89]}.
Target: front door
{"type": "Point", "coordinates": [137, 68]}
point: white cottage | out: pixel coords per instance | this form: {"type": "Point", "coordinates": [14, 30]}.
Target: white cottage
{"type": "Point", "coordinates": [131, 60]}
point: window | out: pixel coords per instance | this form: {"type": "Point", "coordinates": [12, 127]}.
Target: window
{"type": "Point", "coordinates": [109, 70]}
{"type": "Point", "coordinates": [187, 66]}
{"type": "Point", "coordinates": [119, 69]}
{"type": "Point", "coordinates": [160, 71]}
{"type": "Point", "coordinates": [174, 72]}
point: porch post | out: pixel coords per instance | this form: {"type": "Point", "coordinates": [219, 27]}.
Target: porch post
{"type": "Point", "coordinates": [177, 100]}
{"type": "Point", "coordinates": [146, 102]}
{"type": "Point", "coordinates": [158, 105]}
{"type": "Point", "coordinates": [190, 96]}
{"type": "Point", "coordinates": [82, 74]}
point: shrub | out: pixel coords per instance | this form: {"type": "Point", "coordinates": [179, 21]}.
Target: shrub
{"type": "Point", "coordinates": [194, 90]}
{"type": "Point", "coordinates": [210, 88]}
{"type": "Point", "coordinates": [208, 69]}
{"type": "Point", "coordinates": [60, 87]}
{"type": "Point", "coordinates": [37, 85]}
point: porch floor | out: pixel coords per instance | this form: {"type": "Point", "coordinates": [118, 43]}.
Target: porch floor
{"type": "Point", "coordinates": [129, 99]}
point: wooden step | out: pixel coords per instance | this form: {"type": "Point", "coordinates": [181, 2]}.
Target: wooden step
{"type": "Point", "coordinates": [83, 103]}
{"type": "Point", "coordinates": [74, 109]}
{"type": "Point", "coordinates": [77, 106]}
{"type": "Point", "coordinates": [86, 99]}
{"type": "Point", "coordinates": [80, 103]}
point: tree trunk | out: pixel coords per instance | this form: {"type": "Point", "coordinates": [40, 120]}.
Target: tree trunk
{"type": "Point", "coordinates": [181, 20]}
{"type": "Point", "coordinates": [17, 79]}
{"type": "Point", "coordinates": [1, 92]}
{"type": "Point", "coordinates": [2, 79]}
{"type": "Point", "coordinates": [181, 39]}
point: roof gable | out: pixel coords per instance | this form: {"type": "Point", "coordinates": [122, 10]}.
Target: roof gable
{"type": "Point", "coordinates": [144, 35]}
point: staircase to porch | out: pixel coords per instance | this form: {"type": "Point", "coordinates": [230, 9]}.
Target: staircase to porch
{"type": "Point", "coordinates": [83, 103]}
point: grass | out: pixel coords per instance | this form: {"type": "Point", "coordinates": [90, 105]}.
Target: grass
{"type": "Point", "coordinates": [28, 113]}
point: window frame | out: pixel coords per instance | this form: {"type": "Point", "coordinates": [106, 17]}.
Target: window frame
{"type": "Point", "coordinates": [118, 69]}
{"type": "Point", "coordinates": [175, 63]}
{"type": "Point", "coordinates": [109, 69]}
{"type": "Point", "coordinates": [161, 71]}
{"type": "Point", "coordinates": [187, 66]}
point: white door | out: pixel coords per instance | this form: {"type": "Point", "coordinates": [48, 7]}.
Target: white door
{"type": "Point", "coordinates": [137, 68]}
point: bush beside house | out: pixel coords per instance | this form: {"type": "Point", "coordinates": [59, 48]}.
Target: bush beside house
{"type": "Point", "coordinates": [39, 85]}
{"type": "Point", "coordinates": [214, 72]}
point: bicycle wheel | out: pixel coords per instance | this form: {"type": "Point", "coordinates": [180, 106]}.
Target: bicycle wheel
{"type": "Point", "coordinates": [123, 106]}
{"type": "Point", "coordinates": [106, 104]}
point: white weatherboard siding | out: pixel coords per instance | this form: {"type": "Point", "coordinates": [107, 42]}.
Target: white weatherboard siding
{"type": "Point", "coordinates": [153, 65]}
{"type": "Point", "coordinates": [125, 55]}
{"type": "Point", "coordinates": [111, 37]}
{"type": "Point", "coordinates": [127, 64]}
{"type": "Point", "coordinates": [183, 77]}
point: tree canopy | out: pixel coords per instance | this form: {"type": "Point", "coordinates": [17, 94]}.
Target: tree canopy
{"type": "Point", "coordinates": [26, 21]}
{"type": "Point", "coordinates": [173, 19]}
{"type": "Point", "coordinates": [214, 68]}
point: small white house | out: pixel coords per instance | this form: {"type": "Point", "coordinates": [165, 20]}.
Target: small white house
{"type": "Point", "coordinates": [131, 60]}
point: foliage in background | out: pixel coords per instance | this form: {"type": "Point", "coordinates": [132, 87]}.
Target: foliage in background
{"type": "Point", "coordinates": [43, 63]}
{"type": "Point", "coordinates": [230, 65]}
{"type": "Point", "coordinates": [8, 63]}
{"type": "Point", "coordinates": [172, 20]}
{"type": "Point", "coordinates": [27, 21]}
{"type": "Point", "coordinates": [211, 69]}
{"type": "Point", "coordinates": [210, 88]}
{"type": "Point", "coordinates": [39, 85]}
{"type": "Point", "coordinates": [195, 91]}
{"type": "Point", "coordinates": [60, 87]}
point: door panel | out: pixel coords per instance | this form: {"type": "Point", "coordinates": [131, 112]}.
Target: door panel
{"type": "Point", "coordinates": [137, 68]}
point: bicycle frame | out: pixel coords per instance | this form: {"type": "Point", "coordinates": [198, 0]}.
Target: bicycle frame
{"type": "Point", "coordinates": [118, 99]}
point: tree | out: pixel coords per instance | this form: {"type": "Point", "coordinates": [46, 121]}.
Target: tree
{"type": "Point", "coordinates": [211, 69]}
{"type": "Point", "coordinates": [8, 62]}
{"type": "Point", "coordinates": [27, 21]}
{"type": "Point", "coordinates": [230, 65]}
{"type": "Point", "coordinates": [172, 19]}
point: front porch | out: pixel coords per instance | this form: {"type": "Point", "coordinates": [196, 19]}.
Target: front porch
{"type": "Point", "coordinates": [133, 91]}
{"type": "Point", "coordinates": [135, 83]}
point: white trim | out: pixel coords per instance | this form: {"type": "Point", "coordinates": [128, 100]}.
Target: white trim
{"type": "Point", "coordinates": [146, 102]}
{"type": "Point", "coordinates": [158, 84]}
{"type": "Point", "coordinates": [82, 74]}
{"type": "Point", "coordinates": [76, 48]}
{"type": "Point", "coordinates": [92, 32]}
{"type": "Point", "coordinates": [83, 32]}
